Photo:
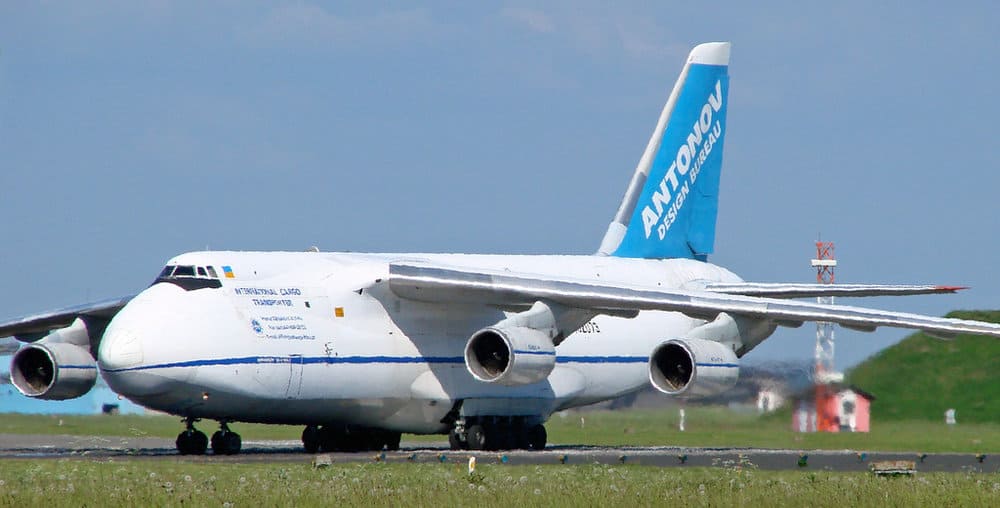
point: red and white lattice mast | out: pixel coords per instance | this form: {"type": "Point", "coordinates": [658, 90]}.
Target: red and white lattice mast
{"type": "Point", "coordinates": [825, 373]}
{"type": "Point", "coordinates": [824, 263]}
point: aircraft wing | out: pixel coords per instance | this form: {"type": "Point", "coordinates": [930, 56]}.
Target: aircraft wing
{"type": "Point", "coordinates": [512, 290]}
{"type": "Point", "coordinates": [793, 290]}
{"type": "Point", "coordinates": [34, 327]}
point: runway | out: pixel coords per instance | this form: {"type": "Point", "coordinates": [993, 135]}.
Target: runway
{"type": "Point", "coordinates": [145, 448]}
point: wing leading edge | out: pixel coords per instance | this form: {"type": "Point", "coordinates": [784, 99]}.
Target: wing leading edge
{"type": "Point", "coordinates": [34, 327]}
{"type": "Point", "coordinates": [506, 289]}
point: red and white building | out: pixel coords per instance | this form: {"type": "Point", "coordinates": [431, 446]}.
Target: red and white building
{"type": "Point", "coordinates": [832, 408]}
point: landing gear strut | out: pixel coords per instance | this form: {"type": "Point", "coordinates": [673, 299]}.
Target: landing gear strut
{"type": "Point", "coordinates": [497, 433]}
{"type": "Point", "coordinates": [225, 441]}
{"type": "Point", "coordinates": [192, 441]}
{"type": "Point", "coordinates": [348, 438]}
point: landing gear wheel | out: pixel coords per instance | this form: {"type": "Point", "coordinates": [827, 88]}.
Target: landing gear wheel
{"type": "Point", "coordinates": [225, 441]}
{"type": "Point", "coordinates": [332, 438]}
{"type": "Point", "coordinates": [455, 440]}
{"type": "Point", "coordinates": [520, 438]}
{"type": "Point", "coordinates": [310, 439]}
{"type": "Point", "coordinates": [537, 437]}
{"type": "Point", "coordinates": [191, 442]}
{"type": "Point", "coordinates": [475, 437]}
{"type": "Point", "coordinates": [392, 441]}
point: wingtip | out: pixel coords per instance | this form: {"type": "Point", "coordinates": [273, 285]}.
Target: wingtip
{"type": "Point", "coordinates": [950, 289]}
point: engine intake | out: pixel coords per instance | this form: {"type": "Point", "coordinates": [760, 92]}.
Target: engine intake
{"type": "Point", "coordinates": [53, 371]}
{"type": "Point", "coordinates": [510, 356]}
{"type": "Point", "coordinates": [693, 367]}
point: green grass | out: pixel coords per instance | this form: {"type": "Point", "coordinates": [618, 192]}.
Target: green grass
{"type": "Point", "coordinates": [705, 427]}
{"type": "Point", "coordinates": [174, 483]}
{"type": "Point", "coordinates": [921, 377]}
{"type": "Point", "coordinates": [720, 427]}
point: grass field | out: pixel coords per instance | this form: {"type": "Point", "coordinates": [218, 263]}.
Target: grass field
{"type": "Point", "coordinates": [175, 483]}
{"type": "Point", "coordinates": [705, 427]}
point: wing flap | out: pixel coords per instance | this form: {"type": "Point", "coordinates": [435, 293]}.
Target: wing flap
{"type": "Point", "coordinates": [33, 327]}
{"type": "Point", "coordinates": [452, 285]}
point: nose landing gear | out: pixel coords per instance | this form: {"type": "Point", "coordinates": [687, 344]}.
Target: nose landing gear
{"type": "Point", "coordinates": [192, 441]}
{"type": "Point", "coordinates": [225, 441]}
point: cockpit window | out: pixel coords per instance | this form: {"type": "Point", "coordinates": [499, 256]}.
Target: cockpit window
{"type": "Point", "coordinates": [184, 271]}
{"type": "Point", "coordinates": [190, 277]}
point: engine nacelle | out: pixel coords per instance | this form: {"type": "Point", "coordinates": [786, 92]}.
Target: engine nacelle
{"type": "Point", "coordinates": [693, 367]}
{"type": "Point", "coordinates": [53, 371]}
{"type": "Point", "coordinates": [510, 356]}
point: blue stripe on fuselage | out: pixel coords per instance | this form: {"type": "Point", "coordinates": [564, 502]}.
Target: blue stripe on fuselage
{"type": "Point", "coordinates": [358, 360]}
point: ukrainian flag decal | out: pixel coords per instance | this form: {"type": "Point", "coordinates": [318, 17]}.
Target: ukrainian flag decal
{"type": "Point", "coordinates": [228, 270]}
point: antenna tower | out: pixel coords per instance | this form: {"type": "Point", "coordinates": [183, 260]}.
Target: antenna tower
{"type": "Point", "coordinates": [827, 419]}
{"type": "Point", "coordinates": [824, 263]}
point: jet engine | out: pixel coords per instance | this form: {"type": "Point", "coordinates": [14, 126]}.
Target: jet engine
{"type": "Point", "coordinates": [693, 367]}
{"type": "Point", "coordinates": [60, 366]}
{"type": "Point", "coordinates": [510, 356]}
{"type": "Point", "coordinates": [56, 371]}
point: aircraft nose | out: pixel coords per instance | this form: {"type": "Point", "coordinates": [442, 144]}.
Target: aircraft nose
{"type": "Point", "coordinates": [130, 342]}
{"type": "Point", "coordinates": [120, 349]}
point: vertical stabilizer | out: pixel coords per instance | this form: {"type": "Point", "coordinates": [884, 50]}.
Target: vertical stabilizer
{"type": "Point", "coordinates": [671, 204]}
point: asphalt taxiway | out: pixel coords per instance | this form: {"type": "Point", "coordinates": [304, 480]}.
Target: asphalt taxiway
{"type": "Point", "coordinates": [147, 448]}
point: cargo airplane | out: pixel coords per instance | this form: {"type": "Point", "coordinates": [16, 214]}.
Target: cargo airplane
{"type": "Point", "coordinates": [359, 348]}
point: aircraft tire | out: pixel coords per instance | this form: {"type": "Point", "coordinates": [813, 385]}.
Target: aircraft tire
{"type": "Point", "coordinates": [392, 440]}
{"type": "Point", "coordinates": [520, 438]}
{"type": "Point", "coordinates": [226, 443]}
{"type": "Point", "coordinates": [537, 437]}
{"type": "Point", "coordinates": [216, 442]}
{"type": "Point", "coordinates": [332, 438]}
{"type": "Point", "coordinates": [234, 443]}
{"type": "Point", "coordinates": [191, 442]}
{"type": "Point", "coordinates": [455, 441]}
{"type": "Point", "coordinates": [311, 439]}
{"type": "Point", "coordinates": [476, 437]}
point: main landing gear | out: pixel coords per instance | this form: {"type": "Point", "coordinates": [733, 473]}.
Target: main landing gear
{"type": "Point", "coordinates": [194, 442]}
{"type": "Point", "coordinates": [497, 433]}
{"type": "Point", "coordinates": [348, 438]}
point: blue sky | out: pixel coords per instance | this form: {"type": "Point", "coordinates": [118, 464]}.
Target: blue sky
{"type": "Point", "coordinates": [131, 132]}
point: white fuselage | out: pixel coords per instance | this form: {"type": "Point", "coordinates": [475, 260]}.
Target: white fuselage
{"type": "Point", "coordinates": [312, 338]}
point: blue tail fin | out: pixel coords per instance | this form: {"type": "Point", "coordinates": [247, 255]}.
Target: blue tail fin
{"type": "Point", "coordinates": [671, 204]}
